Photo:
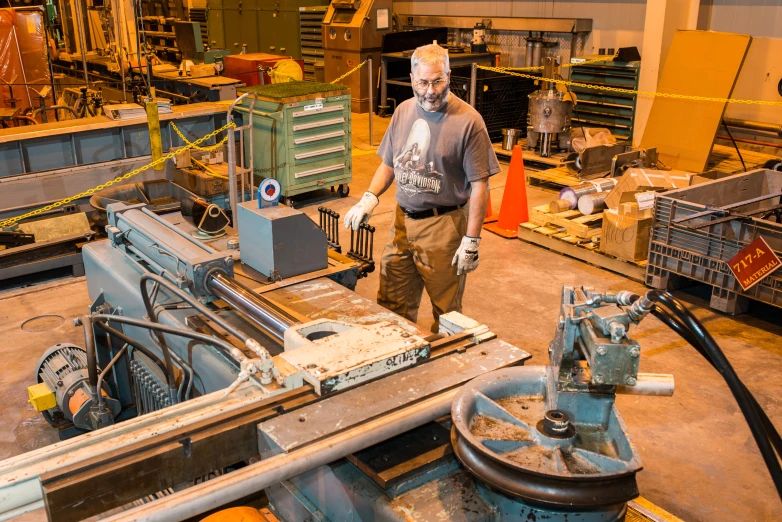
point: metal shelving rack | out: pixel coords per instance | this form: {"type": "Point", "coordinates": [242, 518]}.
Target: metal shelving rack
{"type": "Point", "coordinates": [598, 108]}
{"type": "Point", "coordinates": [310, 22]}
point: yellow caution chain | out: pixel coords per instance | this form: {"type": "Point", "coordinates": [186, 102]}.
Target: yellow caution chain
{"type": "Point", "coordinates": [210, 148]}
{"type": "Point", "coordinates": [540, 67]}
{"type": "Point", "coordinates": [354, 69]}
{"type": "Point", "coordinates": [630, 91]}
{"type": "Point", "coordinates": [159, 161]}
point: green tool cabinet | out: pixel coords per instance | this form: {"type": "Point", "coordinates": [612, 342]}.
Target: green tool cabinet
{"type": "Point", "coordinates": [303, 141]}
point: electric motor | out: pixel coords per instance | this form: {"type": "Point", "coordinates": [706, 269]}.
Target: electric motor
{"type": "Point", "coordinates": [64, 390]}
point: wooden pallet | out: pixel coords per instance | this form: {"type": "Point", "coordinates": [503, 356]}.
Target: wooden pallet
{"type": "Point", "coordinates": [724, 159]}
{"type": "Point", "coordinates": [572, 222]}
{"type": "Point", "coordinates": [558, 240]}
{"type": "Point", "coordinates": [558, 176]}
{"type": "Point", "coordinates": [532, 161]}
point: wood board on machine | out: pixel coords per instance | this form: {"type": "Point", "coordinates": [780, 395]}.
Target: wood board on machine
{"type": "Point", "coordinates": [699, 63]}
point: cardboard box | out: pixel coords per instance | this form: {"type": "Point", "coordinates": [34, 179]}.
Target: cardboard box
{"type": "Point", "coordinates": [625, 236]}
{"type": "Point", "coordinates": [641, 180]}
{"type": "Point", "coordinates": [246, 67]}
{"type": "Point", "coordinates": [202, 70]}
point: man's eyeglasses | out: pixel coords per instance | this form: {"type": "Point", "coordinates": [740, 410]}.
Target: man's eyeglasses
{"type": "Point", "coordinates": [424, 84]}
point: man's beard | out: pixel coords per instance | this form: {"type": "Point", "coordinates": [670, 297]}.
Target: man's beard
{"type": "Point", "coordinates": [432, 102]}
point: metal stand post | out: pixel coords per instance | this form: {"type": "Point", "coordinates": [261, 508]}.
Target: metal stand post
{"type": "Point", "coordinates": [371, 105]}
{"type": "Point", "coordinates": [82, 42]}
{"type": "Point", "coordinates": [473, 82]}
{"type": "Point", "coordinates": [231, 144]}
{"type": "Point", "coordinates": [383, 80]}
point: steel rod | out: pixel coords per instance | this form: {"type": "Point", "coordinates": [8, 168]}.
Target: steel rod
{"type": "Point", "coordinates": [773, 128]}
{"type": "Point", "coordinates": [255, 477]}
{"type": "Point", "coordinates": [259, 310]}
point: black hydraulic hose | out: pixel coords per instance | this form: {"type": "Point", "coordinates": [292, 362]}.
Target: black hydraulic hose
{"type": "Point", "coordinates": [189, 299]}
{"type": "Point", "coordinates": [674, 324]}
{"type": "Point", "coordinates": [161, 340]}
{"type": "Point", "coordinates": [135, 344]}
{"type": "Point", "coordinates": [227, 349]}
{"type": "Point", "coordinates": [89, 346]}
{"type": "Point", "coordinates": [724, 367]}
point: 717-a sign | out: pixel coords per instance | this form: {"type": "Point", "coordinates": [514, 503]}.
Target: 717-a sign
{"type": "Point", "coordinates": [753, 263]}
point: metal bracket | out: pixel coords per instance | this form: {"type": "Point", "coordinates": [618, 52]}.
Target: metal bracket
{"type": "Point", "coordinates": [329, 223]}
{"type": "Point", "coordinates": [362, 246]}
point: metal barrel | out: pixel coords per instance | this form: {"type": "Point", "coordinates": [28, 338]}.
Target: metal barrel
{"type": "Point", "coordinates": [257, 309]}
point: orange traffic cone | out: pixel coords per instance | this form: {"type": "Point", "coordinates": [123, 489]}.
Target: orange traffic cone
{"type": "Point", "coordinates": [490, 217]}
{"type": "Point", "coordinates": [513, 210]}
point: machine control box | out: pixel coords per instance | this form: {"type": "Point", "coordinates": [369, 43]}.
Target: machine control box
{"type": "Point", "coordinates": [280, 242]}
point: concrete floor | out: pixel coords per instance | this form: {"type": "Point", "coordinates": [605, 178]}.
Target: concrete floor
{"type": "Point", "coordinates": [701, 463]}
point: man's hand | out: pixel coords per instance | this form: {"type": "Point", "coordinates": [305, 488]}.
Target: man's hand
{"type": "Point", "coordinates": [361, 211]}
{"type": "Point", "coordinates": [466, 258]}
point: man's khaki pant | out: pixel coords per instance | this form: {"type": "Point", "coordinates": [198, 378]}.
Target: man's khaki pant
{"type": "Point", "coordinates": [418, 255]}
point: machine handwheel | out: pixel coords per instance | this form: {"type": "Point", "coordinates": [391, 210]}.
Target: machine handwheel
{"type": "Point", "coordinates": [508, 432]}
{"type": "Point", "coordinates": [343, 190]}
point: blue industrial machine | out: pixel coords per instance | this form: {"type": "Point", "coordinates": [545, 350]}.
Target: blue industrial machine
{"type": "Point", "coordinates": [266, 372]}
{"type": "Point", "coordinates": [166, 269]}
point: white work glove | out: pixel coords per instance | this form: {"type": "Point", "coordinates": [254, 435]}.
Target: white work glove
{"type": "Point", "coordinates": [466, 258]}
{"type": "Point", "coordinates": [361, 211]}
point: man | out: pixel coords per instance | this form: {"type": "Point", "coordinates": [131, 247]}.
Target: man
{"type": "Point", "coordinates": [438, 151]}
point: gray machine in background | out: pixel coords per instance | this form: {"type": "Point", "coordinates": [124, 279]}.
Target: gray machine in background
{"type": "Point", "coordinates": [550, 112]}
{"type": "Point", "coordinates": [353, 32]}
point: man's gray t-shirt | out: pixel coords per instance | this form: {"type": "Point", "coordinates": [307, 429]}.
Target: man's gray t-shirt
{"type": "Point", "coordinates": [435, 155]}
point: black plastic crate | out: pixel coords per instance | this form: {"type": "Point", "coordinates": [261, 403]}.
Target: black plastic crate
{"type": "Point", "coordinates": [501, 99]}
{"type": "Point", "coordinates": [700, 248]}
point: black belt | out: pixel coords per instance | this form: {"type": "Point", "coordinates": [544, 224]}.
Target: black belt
{"type": "Point", "coordinates": [431, 212]}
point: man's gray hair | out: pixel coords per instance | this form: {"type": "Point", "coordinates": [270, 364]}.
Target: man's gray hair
{"type": "Point", "coordinates": [431, 54]}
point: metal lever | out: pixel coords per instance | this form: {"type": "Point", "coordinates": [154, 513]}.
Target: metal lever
{"type": "Point", "coordinates": [329, 223]}
{"type": "Point", "coordinates": [362, 246]}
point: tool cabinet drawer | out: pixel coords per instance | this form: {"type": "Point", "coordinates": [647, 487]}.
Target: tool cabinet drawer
{"type": "Point", "coordinates": [319, 170]}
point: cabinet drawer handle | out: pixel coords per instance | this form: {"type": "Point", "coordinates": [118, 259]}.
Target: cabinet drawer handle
{"type": "Point", "coordinates": [317, 124]}
{"type": "Point", "coordinates": [321, 152]}
{"type": "Point", "coordinates": [321, 170]}
{"type": "Point", "coordinates": [319, 137]}
{"type": "Point", "coordinates": [333, 108]}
